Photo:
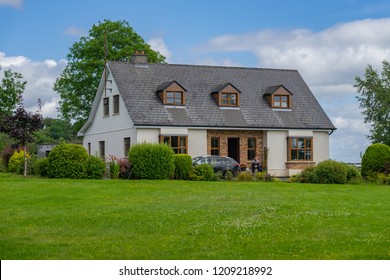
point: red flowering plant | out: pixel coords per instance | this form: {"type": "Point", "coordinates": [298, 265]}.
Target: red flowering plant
{"type": "Point", "coordinates": [113, 162]}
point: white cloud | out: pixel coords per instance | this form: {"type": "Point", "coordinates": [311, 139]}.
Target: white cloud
{"type": "Point", "coordinates": [40, 77]}
{"type": "Point", "coordinates": [159, 45]}
{"type": "Point", "coordinates": [17, 4]}
{"type": "Point", "coordinates": [328, 61]}
{"type": "Point", "coordinates": [75, 31]}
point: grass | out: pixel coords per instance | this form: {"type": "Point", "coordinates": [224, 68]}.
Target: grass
{"type": "Point", "coordinates": [117, 219]}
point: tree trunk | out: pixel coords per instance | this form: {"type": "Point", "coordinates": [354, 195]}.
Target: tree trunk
{"type": "Point", "coordinates": [25, 162]}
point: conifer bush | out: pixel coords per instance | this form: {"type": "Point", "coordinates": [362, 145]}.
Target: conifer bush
{"type": "Point", "coordinates": [375, 159]}
{"type": "Point", "coordinates": [152, 161]}
{"type": "Point", "coordinates": [183, 166]}
{"type": "Point", "coordinates": [95, 168]}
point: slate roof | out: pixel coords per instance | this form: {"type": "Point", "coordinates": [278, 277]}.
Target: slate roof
{"type": "Point", "coordinates": [138, 86]}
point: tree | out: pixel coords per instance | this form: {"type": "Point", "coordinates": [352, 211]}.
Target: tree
{"type": "Point", "coordinates": [56, 131]}
{"type": "Point", "coordinates": [79, 81]}
{"type": "Point", "coordinates": [11, 89]}
{"type": "Point", "coordinates": [20, 126]}
{"type": "Point", "coordinates": [375, 101]}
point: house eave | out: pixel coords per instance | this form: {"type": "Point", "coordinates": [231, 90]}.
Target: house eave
{"type": "Point", "coordinates": [231, 127]}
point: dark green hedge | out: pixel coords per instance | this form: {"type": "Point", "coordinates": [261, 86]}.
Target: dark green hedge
{"type": "Point", "coordinates": [183, 166]}
{"type": "Point", "coordinates": [68, 161]}
{"type": "Point", "coordinates": [375, 159]}
{"type": "Point", "coordinates": [152, 161]}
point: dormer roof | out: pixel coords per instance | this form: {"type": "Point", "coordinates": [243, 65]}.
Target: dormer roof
{"type": "Point", "coordinates": [222, 87]}
{"type": "Point", "coordinates": [273, 89]}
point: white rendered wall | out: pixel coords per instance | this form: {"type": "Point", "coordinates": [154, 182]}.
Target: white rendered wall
{"type": "Point", "coordinates": [197, 142]}
{"type": "Point", "coordinates": [321, 146]}
{"type": "Point", "coordinates": [277, 153]}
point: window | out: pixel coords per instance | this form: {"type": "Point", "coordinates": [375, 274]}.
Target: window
{"type": "Point", "coordinates": [278, 97]}
{"type": "Point", "coordinates": [89, 148]}
{"type": "Point", "coordinates": [102, 149]}
{"type": "Point", "coordinates": [226, 95]}
{"type": "Point", "coordinates": [251, 148]}
{"type": "Point", "coordinates": [177, 143]}
{"type": "Point", "coordinates": [116, 104]}
{"type": "Point", "coordinates": [229, 99]}
{"type": "Point", "coordinates": [174, 98]}
{"type": "Point", "coordinates": [281, 101]}
{"type": "Point", "coordinates": [214, 146]}
{"type": "Point", "coordinates": [126, 142]}
{"type": "Point", "coordinates": [300, 148]}
{"type": "Point", "coordinates": [106, 106]}
{"type": "Point", "coordinates": [172, 93]}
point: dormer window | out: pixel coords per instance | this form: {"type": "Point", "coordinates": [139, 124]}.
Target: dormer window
{"type": "Point", "coordinates": [226, 95]}
{"type": "Point", "coordinates": [174, 98]}
{"type": "Point", "coordinates": [281, 101]}
{"type": "Point", "coordinates": [172, 93]}
{"type": "Point", "coordinates": [278, 97]}
{"type": "Point", "coordinates": [228, 99]}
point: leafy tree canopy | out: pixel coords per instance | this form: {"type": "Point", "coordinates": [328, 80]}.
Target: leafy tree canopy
{"type": "Point", "coordinates": [374, 89]}
{"type": "Point", "coordinates": [21, 125]}
{"type": "Point", "coordinates": [56, 131]}
{"type": "Point", "coordinates": [11, 89]}
{"type": "Point", "coordinates": [79, 81]}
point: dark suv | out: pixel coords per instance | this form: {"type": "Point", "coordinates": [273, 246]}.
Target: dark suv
{"type": "Point", "coordinates": [219, 163]}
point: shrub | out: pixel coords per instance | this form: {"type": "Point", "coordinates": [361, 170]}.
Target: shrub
{"type": "Point", "coordinates": [183, 166]}
{"type": "Point", "coordinates": [6, 154]}
{"type": "Point", "coordinates": [245, 176]}
{"type": "Point", "coordinates": [308, 175]}
{"type": "Point", "coordinates": [16, 162]}
{"type": "Point", "coordinates": [2, 166]}
{"type": "Point", "coordinates": [260, 176]}
{"type": "Point", "coordinates": [152, 161]}
{"type": "Point", "coordinates": [40, 166]}
{"type": "Point", "coordinates": [331, 172]}
{"type": "Point", "coordinates": [95, 167]}
{"type": "Point", "coordinates": [68, 161]}
{"type": "Point", "coordinates": [384, 179]}
{"type": "Point", "coordinates": [353, 175]}
{"type": "Point", "coordinates": [374, 159]}
{"type": "Point", "coordinates": [202, 172]}
{"type": "Point", "coordinates": [124, 168]}
{"type": "Point", "coordinates": [114, 167]}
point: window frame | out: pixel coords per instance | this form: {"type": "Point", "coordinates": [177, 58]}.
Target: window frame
{"type": "Point", "coordinates": [253, 149]}
{"type": "Point", "coordinates": [229, 99]}
{"type": "Point", "coordinates": [296, 152]}
{"type": "Point", "coordinates": [106, 106]}
{"type": "Point", "coordinates": [126, 145]}
{"type": "Point", "coordinates": [102, 149]}
{"type": "Point", "coordinates": [115, 104]}
{"type": "Point", "coordinates": [280, 97]}
{"type": "Point", "coordinates": [215, 150]}
{"type": "Point", "coordinates": [175, 98]}
{"type": "Point", "coordinates": [167, 139]}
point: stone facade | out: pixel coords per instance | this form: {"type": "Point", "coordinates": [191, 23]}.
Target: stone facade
{"type": "Point", "coordinates": [243, 136]}
{"type": "Point", "coordinates": [294, 167]}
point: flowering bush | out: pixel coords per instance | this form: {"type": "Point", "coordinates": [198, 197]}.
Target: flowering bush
{"type": "Point", "coordinates": [114, 167]}
{"type": "Point", "coordinates": [16, 162]}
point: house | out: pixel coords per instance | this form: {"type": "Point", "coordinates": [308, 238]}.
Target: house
{"type": "Point", "coordinates": [198, 110]}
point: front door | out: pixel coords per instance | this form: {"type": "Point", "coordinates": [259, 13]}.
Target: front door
{"type": "Point", "coordinates": [234, 148]}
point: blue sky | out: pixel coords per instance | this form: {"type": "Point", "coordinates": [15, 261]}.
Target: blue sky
{"type": "Point", "coordinates": [328, 42]}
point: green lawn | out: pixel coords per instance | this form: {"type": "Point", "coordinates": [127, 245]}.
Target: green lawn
{"type": "Point", "coordinates": [117, 219]}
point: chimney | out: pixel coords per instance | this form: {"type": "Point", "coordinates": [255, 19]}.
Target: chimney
{"type": "Point", "coordinates": [139, 58]}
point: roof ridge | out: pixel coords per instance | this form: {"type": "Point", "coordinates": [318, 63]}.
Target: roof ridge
{"type": "Point", "coordinates": [210, 66]}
